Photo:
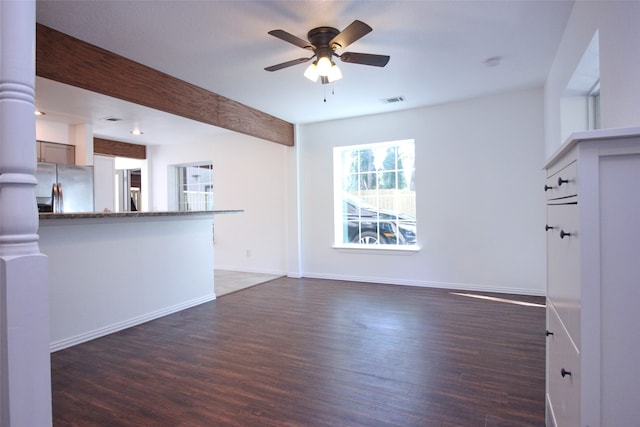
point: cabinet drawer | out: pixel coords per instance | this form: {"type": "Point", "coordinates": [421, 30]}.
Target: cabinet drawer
{"type": "Point", "coordinates": [563, 281]}
{"type": "Point", "coordinates": [563, 375]}
{"type": "Point", "coordinates": [562, 184]}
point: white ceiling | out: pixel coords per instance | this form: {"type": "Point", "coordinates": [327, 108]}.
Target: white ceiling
{"type": "Point", "coordinates": [438, 51]}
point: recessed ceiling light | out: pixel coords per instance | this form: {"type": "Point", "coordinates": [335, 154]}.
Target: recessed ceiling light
{"type": "Point", "coordinates": [136, 132]}
{"type": "Point", "coordinates": [39, 113]}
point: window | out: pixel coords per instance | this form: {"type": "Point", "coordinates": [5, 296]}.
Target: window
{"type": "Point", "coordinates": [195, 187]}
{"type": "Point", "coordinates": [375, 199]}
{"type": "Point", "coordinates": [594, 106]}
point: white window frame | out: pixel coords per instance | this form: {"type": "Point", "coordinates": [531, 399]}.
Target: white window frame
{"type": "Point", "coordinates": [341, 169]}
{"type": "Point", "coordinates": [199, 195]}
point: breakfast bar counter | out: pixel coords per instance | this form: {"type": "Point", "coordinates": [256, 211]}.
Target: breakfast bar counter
{"type": "Point", "coordinates": [137, 214]}
{"type": "Point", "coordinates": [109, 271]}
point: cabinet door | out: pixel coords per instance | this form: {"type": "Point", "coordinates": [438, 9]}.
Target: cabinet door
{"type": "Point", "coordinates": [620, 288]}
{"type": "Point", "coordinates": [56, 153]}
{"type": "Point", "coordinates": [104, 183]}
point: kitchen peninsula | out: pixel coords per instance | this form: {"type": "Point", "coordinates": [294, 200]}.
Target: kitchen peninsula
{"type": "Point", "coordinates": [110, 271]}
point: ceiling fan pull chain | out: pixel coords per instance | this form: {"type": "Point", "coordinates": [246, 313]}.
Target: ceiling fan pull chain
{"type": "Point", "coordinates": [324, 88]}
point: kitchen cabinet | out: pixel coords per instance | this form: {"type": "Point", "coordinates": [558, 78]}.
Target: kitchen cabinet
{"type": "Point", "coordinates": [52, 152]}
{"type": "Point", "coordinates": [593, 280]}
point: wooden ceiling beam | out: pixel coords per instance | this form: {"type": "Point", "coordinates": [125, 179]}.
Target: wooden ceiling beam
{"type": "Point", "coordinates": [107, 147]}
{"type": "Point", "coordinates": [68, 60]}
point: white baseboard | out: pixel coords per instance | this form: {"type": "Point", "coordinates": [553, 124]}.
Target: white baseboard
{"type": "Point", "coordinates": [427, 284]}
{"type": "Point", "coordinates": [249, 270]}
{"type": "Point", "coordinates": [138, 320]}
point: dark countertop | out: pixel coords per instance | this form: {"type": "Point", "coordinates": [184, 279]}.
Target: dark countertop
{"type": "Point", "coordinates": [94, 215]}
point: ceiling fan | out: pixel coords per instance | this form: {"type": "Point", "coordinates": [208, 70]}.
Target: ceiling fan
{"type": "Point", "coordinates": [324, 42]}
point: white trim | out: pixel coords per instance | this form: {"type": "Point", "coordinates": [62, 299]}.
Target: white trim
{"type": "Point", "coordinates": [427, 284]}
{"type": "Point", "coordinates": [378, 249]}
{"type": "Point", "coordinates": [138, 320]}
{"type": "Point", "coordinates": [249, 270]}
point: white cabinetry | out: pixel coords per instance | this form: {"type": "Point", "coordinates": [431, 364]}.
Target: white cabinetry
{"type": "Point", "coordinates": [103, 183]}
{"type": "Point", "coordinates": [593, 280]}
{"type": "Point", "coordinates": [52, 152]}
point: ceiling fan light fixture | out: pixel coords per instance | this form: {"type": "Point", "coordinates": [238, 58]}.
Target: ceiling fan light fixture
{"type": "Point", "coordinates": [334, 74]}
{"type": "Point", "coordinates": [312, 72]}
{"type": "Point", "coordinates": [324, 41]}
{"type": "Point", "coordinates": [324, 65]}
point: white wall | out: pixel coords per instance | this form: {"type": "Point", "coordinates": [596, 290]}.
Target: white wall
{"type": "Point", "coordinates": [619, 34]}
{"type": "Point", "coordinates": [51, 131]}
{"type": "Point", "coordinates": [480, 204]}
{"type": "Point", "coordinates": [82, 137]}
{"type": "Point", "coordinates": [249, 174]}
{"type": "Point", "coordinates": [294, 260]}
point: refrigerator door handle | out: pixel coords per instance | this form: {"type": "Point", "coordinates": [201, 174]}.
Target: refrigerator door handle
{"type": "Point", "coordinates": [56, 198]}
{"type": "Point", "coordinates": [60, 198]}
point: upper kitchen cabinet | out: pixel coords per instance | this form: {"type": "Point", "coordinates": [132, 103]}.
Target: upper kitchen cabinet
{"type": "Point", "coordinates": [52, 152]}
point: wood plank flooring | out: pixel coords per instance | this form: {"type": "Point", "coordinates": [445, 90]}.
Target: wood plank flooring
{"type": "Point", "coordinates": [306, 352]}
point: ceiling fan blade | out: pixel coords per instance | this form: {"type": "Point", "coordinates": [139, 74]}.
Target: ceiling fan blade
{"type": "Point", "coordinates": [365, 59]}
{"type": "Point", "coordinates": [287, 64]}
{"type": "Point", "coordinates": [288, 37]}
{"type": "Point", "coordinates": [353, 32]}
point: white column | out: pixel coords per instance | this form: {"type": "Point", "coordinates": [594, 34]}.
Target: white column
{"type": "Point", "coordinates": [25, 373]}
{"type": "Point", "coordinates": [82, 137]}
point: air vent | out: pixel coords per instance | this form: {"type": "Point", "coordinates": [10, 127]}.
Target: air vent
{"type": "Point", "coordinates": [393, 100]}
{"type": "Point", "coordinates": [112, 119]}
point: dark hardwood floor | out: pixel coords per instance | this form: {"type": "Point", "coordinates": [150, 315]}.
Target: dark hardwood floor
{"type": "Point", "coordinates": [305, 352]}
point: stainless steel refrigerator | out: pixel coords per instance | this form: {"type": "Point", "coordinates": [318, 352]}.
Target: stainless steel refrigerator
{"type": "Point", "coordinates": [64, 188]}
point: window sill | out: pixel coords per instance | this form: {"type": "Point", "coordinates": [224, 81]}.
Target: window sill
{"type": "Point", "coordinates": [379, 249]}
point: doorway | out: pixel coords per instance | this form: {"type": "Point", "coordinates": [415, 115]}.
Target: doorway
{"type": "Point", "coordinates": [128, 188]}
